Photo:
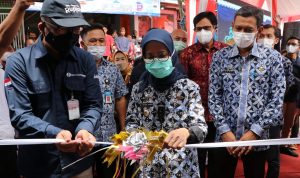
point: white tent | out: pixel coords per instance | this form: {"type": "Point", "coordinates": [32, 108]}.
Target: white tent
{"type": "Point", "coordinates": [288, 10]}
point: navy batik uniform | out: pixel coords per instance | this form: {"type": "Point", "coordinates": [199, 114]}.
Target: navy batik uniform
{"type": "Point", "coordinates": [177, 107]}
{"type": "Point", "coordinates": [112, 87]}
{"type": "Point", "coordinates": [246, 93]}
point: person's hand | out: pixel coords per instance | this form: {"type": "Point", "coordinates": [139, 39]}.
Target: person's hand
{"type": "Point", "coordinates": [277, 19]}
{"type": "Point", "coordinates": [69, 145]}
{"type": "Point", "coordinates": [23, 4]}
{"type": "Point", "coordinates": [177, 138]}
{"type": "Point", "coordinates": [229, 137]}
{"type": "Point", "coordinates": [239, 151]}
{"type": "Point", "coordinates": [86, 140]}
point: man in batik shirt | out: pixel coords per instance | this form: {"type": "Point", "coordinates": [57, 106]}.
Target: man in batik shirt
{"type": "Point", "coordinates": [196, 60]}
{"type": "Point", "coordinates": [113, 90]}
{"type": "Point", "coordinates": [247, 85]}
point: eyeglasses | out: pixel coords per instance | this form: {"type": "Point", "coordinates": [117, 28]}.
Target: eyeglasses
{"type": "Point", "coordinates": [161, 56]}
{"type": "Point", "coordinates": [150, 61]}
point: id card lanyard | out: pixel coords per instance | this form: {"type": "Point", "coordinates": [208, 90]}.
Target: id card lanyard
{"type": "Point", "coordinates": [73, 108]}
{"type": "Point", "coordinates": [107, 95]}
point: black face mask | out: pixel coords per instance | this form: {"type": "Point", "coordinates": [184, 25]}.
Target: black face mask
{"type": "Point", "coordinates": [62, 43]}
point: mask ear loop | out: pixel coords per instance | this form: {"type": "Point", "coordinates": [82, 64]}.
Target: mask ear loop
{"type": "Point", "coordinates": [173, 53]}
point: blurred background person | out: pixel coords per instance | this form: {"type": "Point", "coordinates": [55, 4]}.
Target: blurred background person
{"type": "Point", "coordinates": [289, 107]}
{"type": "Point", "coordinates": [122, 42]}
{"type": "Point", "coordinates": [29, 42]}
{"type": "Point", "coordinates": [180, 40]}
{"type": "Point", "coordinates": [121, 60]}
{"type": "Point", "coordinates": [131, 51]}
{"type": "Point", "coordinates": [109, 40]}
{"type": "Point", "coordinates": [269, 36]}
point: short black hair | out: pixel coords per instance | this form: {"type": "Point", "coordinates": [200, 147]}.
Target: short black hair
{"type": "Point", "coordinates": [251, 11]}
{"type": "Point", "coordinates": [293, 38]}
{"type": "Point", "coordinates": [86, 29]}
{"type": "Point", "coordinates": [207, 14]}
{"type": "Point", "coordinates": [277, 33]}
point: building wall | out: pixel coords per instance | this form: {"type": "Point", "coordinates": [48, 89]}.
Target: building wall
{"type": "Point", "coordinates": [168, 20]}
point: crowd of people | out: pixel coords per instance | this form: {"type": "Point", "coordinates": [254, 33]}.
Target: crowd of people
{"type": "Point", "coordinates": [77, 83]}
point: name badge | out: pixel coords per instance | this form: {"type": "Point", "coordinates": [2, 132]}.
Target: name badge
{"type": "Point", "coordinates": [107, 96]}
{"type": "Point", "coordinates": [73, 109]}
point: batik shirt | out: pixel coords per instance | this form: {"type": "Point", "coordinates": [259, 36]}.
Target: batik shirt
{"type": "Point", "coordinates": [112, 87]}
{"type": "Point", "coordinates": [196, 61]}
{"type": "Point", "coordinates": [246, 93]}
{"type": "Point", "coordinates": [178, 107]}
{"type": "Point", "coordinates": [288, 71]}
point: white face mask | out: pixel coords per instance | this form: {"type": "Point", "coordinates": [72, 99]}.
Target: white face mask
{"type": "Point", "coordinates": [292, 48]}
{"type": "Point", "coordinates": [267, 42]}
{"type": "Point", "coordinates": [204, 36]}
{"type": "Point", "coordinates": [97, 51]}
{"type": "Point", "coordinates": [243, 40]}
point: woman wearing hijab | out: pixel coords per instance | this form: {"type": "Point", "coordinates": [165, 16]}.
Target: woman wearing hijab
{"type": "Point", "coordinates": [164, 99]}
{"type": "Point", "coordinates": [122, 61]}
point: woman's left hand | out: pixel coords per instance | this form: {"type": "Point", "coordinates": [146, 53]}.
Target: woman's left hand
{"type": "Point", "coordinates": [177, 138]}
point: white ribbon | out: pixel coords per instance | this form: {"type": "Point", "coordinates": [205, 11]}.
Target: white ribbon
{"type": "Point", "coordinates": [282, 141]}
{"type": "Point", "coordinates": [29, 141]}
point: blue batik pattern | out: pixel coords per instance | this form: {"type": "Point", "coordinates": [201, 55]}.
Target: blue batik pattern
{"type": "Point", "coordinates": [182, 109]}
{"type": "Point", "coordinates": [110, 80]}
{"type": "Point", "coordinates": [246, 94]}
{"type": "Point", "coordinates": [288, 70]}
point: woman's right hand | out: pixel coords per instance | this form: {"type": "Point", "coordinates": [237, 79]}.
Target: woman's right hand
{"type": "Point", "coordinates": [177, 138]}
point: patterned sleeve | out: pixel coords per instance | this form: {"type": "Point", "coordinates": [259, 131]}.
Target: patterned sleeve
{"type": "Point", "coordinates": [273, 110]}
{"type": "Point", "coordinates": [288, 70]}
{"type": "Point", "coordinates": [216, 93]}
{"type": "Point", "coordinates": [133, 110]}
{"type": "Point", "coordinates": [196, 121]}
{"type": "Point", "coordinates": [121, 89]}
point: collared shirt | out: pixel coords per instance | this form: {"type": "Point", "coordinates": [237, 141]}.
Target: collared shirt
{"type": "Point", "coordinates": [196, 60]}
{"type": "Point", "coordinates": [112, 85]}
{"type": "Point", "coordinates": [246, 93]}
{"type": "Point", "coordinates": [6, 130]}
{"type": "Point", "coordinates": [37, 88]}
{"type": "Point", "coordinates": [177, 107]}
{"type": "Point", "coordinates": [123, 43]}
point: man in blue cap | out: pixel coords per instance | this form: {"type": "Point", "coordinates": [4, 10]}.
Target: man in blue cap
{"type": "Point", "coordinates": [52, 92]}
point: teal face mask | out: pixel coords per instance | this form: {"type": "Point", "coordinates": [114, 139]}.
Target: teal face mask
{"type": "Point", "coordinates": [160, 68]}
{"type": "Point", "coordinates": [179, 45]}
